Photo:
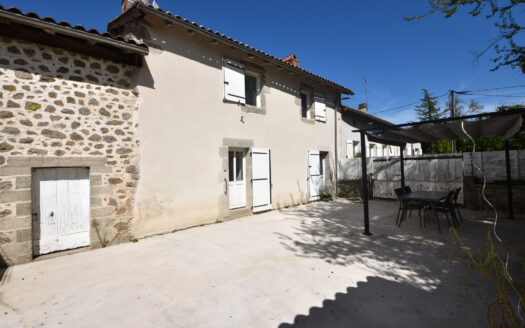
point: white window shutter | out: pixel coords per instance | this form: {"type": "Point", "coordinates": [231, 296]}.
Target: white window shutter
{"type": "Point", "coordinates": [320, 107]}
{"type": "Point", "coordinates": [234, 89]}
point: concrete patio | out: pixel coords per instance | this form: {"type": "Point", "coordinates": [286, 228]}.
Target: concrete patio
{"type": "Point", "coordinates": [307, 266]}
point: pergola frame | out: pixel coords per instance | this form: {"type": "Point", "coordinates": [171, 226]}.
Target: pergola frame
{"type": "Point", "coordinates": [364, 174]}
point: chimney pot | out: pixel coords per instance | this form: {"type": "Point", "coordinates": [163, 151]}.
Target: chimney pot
{"type": "Point", "coordinates": [363, 107]}
{"type": "Point", "coordinates": [292, 60]}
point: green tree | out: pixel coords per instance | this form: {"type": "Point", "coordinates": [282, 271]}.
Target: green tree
{"type": "Point", "coordinates": [428, 109]}
{"type": "Point", "coordinates": [475, 107]}
{"type": "Point", "coordinates": [459, 108]}
{"type": "Point", "coordinates": [508, 50]}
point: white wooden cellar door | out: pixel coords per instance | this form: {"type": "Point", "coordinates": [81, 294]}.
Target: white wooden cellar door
{"type": "Point", "coordinates": [61, 209]}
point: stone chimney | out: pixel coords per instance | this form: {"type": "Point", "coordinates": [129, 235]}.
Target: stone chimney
{"type": "Point", "coordinates": [363, 107]}
{"type": "Point", "coordinates": [292, 60]}
{"type": "Point", "coordinates": [126, 4]}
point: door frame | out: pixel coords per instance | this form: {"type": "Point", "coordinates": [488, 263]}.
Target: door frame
{"type": "Point", "coordinates": [36, 214]}
{"type": "Point", "coordinates": [244, 152]}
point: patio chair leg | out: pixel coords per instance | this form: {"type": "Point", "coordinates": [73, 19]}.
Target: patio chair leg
{"type": "Point", "coordinates": [397, 218]}
{"type": "Point", "coordinates": [436, 218]}
{"type": "Point", "coordinates": [459, 214]}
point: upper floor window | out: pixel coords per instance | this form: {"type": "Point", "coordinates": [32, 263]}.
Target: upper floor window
{"type": "Point", "coordinates": [240, 85]}
{"type": "Point", "coordinates": [306, 104]}
{"type": "Point", "coordinates": [251, 87]}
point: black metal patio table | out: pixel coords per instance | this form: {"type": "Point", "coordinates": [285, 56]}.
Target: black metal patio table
{"type": "Point", "coordinates": [429, 197]}
{"type": "Point", "coordinates": [425, 196]}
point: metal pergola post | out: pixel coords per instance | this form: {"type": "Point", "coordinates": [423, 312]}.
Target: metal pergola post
{"type": "Point", "coordinates": [364, 179]}
{"type": "Point", "coordinates": [402, 162]}
{"type": "Point", "coordinates": [509, 179]}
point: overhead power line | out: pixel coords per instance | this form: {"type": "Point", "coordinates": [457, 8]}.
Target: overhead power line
{"type": "Point", "coordinates": [465, 93]}
{"type": "Point", "coordinates": [482, 95]}
{"type": "Point", "coordinates": [501, 88]}
{"type": "Point", "coordinates": [403, 106]}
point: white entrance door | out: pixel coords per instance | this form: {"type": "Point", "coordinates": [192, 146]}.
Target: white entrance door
{"type": "Point", "coordinates": [261, 180]}
{"type": "Point", "coordinates": [315, 177]}
{"type": "Point", "coordinates": [61, 209]}
{"type": "Point", "coordinates": [237, 179]}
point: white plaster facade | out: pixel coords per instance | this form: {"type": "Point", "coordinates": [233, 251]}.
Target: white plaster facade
{"type": "Point", "coordinates": [187, 128]}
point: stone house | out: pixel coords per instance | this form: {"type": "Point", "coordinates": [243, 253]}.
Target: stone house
{"type": "Point", "coordinates": [217, 129]}
{"type": "Point", "coordinates": [68, 136]}
{"type": "Point", "coordinates": [353, 119]}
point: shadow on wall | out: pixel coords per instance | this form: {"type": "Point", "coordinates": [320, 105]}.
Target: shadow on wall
{"type": "Point", "coordinates": [197, 48]}
{"type": "Point", "coordinates": [383, 303]}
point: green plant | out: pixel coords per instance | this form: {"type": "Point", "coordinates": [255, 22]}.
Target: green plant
{"type": "Point", "coordinates": [357, 155]}
{"type": "Point", "coordinates": [218, 221]}
{"type": "Point", "coordinates": [102, 239]}
{"type": "Point", "coordinates": [501, 312]}
{"type": "Point", "coordinates": [134, 240]}
{"type": "Point", "coordinates": [326, 197]}
{"type": "Point", "coordinates": [341, 194]}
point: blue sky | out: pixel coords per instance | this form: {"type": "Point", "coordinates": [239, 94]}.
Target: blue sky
{"type": "Point", "coordinates": [344, 41]}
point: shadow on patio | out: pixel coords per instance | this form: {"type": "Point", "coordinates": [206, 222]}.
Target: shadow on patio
{"type": "Point", "coordinates": [416, 276]}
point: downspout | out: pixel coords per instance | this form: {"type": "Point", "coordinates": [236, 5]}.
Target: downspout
{"type": "Point", "coordinates": [337, 108]}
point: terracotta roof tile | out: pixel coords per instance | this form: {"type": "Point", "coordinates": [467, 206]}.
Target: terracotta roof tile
{"type": "Point", "coordinates": [245, 46]}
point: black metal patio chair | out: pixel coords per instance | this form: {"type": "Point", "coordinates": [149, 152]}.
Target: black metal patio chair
{"type": "Point", "coordinates": [446, 207]}
{"type": "Point", "coordinates": [406, 206]}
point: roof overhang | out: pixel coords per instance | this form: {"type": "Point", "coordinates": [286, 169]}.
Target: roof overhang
{"type": "Point", "coordinates": [30, 27]}
{"type": "Point", "coordinates": [175, 19]}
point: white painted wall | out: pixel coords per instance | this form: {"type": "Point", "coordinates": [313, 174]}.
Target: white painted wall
{"type": "Point", "coordinates": [183, 120]}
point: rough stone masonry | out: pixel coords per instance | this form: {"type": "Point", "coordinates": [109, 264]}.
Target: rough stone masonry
{"type": "Point", "coordinates": [64, 109]}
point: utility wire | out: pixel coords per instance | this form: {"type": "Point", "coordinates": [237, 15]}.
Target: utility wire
{"type": "Point", "coordinates": [466, 93]}
{"type": "Point", "coordinates": [501, 88]}
{"type": "Point", "coordinates": [482, 95]}
{"type": "Point", "coordinates": [402, 106]}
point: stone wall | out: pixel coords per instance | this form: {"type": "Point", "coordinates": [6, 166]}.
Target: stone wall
{"type": "Point", "coordinates": [63, 109]}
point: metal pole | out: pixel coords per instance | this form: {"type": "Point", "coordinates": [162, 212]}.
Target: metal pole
{"type": "Point", "coordinates": [509, 179]}
{"type": "Point", "coordinates": [402, 162]}
{"type": "Point", "coordinates": [336, 107]}
{"type": "Point", "coordinates": [452, 115]}
{"type": "Point", "coordinates": [364, 179]}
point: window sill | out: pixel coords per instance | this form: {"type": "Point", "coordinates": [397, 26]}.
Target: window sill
{"type": "Point", "coordinates": [253, 109]}
{"type": "Point", "coordinates": [308, 120]}
{"type": "Point", "coordinates": [247, 108]}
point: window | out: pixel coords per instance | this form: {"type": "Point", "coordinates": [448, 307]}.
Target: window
{"type": "Point", "coordinates": [251, 87]}
{"type": "Point", "coordinates": [241, 86]}
{"type": "Point", "coordinates": [235, 166]}
{"type": "Point", "coordinates": [306, 103]}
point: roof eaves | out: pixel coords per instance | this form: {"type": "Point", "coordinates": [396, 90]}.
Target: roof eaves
{"type": "Point", "coordinates": [78, 31]}
{"type": "Point", "coordinates": [232, 42]}
{"type": "Point", "coordinates": [374, 118]}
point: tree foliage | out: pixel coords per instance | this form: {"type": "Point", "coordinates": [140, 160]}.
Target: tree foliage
{"type": "Point", "coordinates": [459, 108]}
{"type": "Point", "coordinates": [428, 109]}
{"type": "Point", "coordinates": [508, 51]}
